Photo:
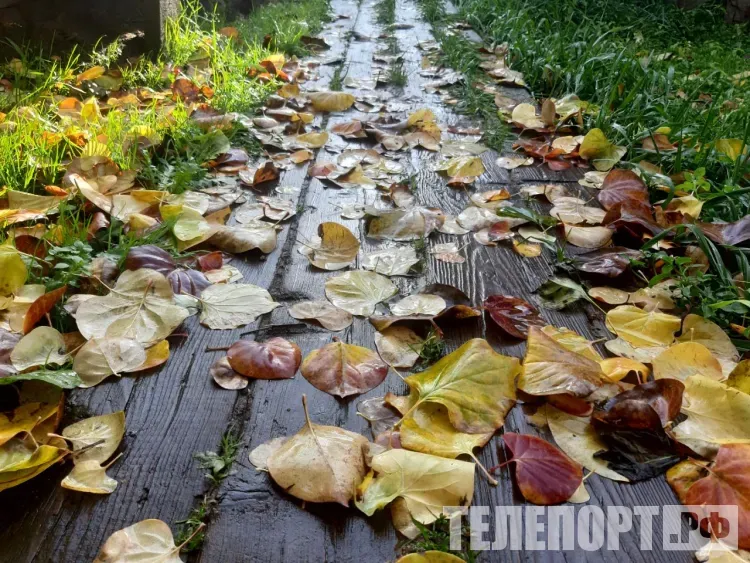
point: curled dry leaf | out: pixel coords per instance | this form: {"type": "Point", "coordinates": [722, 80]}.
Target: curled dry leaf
{"type": "Point", "coordinates": [147, 540]}
{"type": "Point", "coordinates": [319, 463]}
{"type": "Point", "coordinates": [276, 358]}
{"type": "Point", "coordinates": [550, 369]}
{"type": "Point", "coordinates": [337, 249]}
{"type": "Point", "coordinates": [420, 484]}
{"type": "Point", "coordinates": [475, 384]}
{"type": "Point", "coordinates": [344, 369]}
{"type": "Point", "coordinates": [359, 291]}
{"type": "Point", "coordinates": [140, 307]}
{"type": "Point", "coordinates": [225, 376]}
{"type": "Point", "coordinates": [329, 316]}
{"type": "Point", "coordinates": [399, 346]}
{"type": "Point", "coordinates": [235, 305]}
{"type": "Point", "coordinates": [513, 315]}
{"type": "Point", "coordinates": [544, 474]}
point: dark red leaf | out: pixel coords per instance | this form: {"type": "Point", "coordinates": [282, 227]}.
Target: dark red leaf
{"type": "Point", "coordinates": [276, 358]}
{"type": "Point", "coordinates": [570, 404]}
{"type": "Point", "coordinates": [98, 222]}
{"type": "Point", "coordinates": [544, 474]}
{"type": "Point", "coordinates": [8, 341]}
{"type": "Point", "coordinates": [513, 315]}
{"type": "Point", "coordinates": [41, 307]}
{"type": "Point", "coordinates": [728, 233]}
{"type": "Point", "coordinates": [632, 219]}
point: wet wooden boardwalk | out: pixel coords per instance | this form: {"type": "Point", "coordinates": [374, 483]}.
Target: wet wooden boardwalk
{"type": "Point", "coordinates": [180, 411]}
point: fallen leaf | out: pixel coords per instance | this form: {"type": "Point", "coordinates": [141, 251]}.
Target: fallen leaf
{"type": "Point", "coordinates": [239, 239]}
{"type": "Point", "coordinates": [514, 161]}
{"type": "Point", "coordinates": [399, 346]}
{"type": "Point", "coordinates": [226, 377]}
{"type": "Point", "coordinates": [330, 101]}
{"type": "Point", "coordinates": [41, 307]}
{"type": "Point", "coordinates": [615, 369]}
{"type": "Point", "coordinates": [419, 304]}
{"type": "Point", "coordinates": [89, 477]}
{"type": "Point", "coordinates": [572, 341]}
{"type": "Point", "coordinates": [624, 188]}
{"type": "Point", "coordinates": [544, 474]}
{"type": "Point", "coordinates": [231, 306]}
{"type": "Point", "coordinates": [515, 316]}
{"type": "Point", "coordinates": [397, 261]}
{"type": "Point", "coordinates": [588, 237]}
{"type": "Point", "coordinates": [319, 463]}
{"type": "Point", "coordinates": [475, 384]}
{"type": "Point", "coordinates": [147, 540]}
{"type": "Point", "coordinates": [344, 369]}
{"type": "Point", "coordinates": [642, 328]}
{"type": "Point", "coordinates": [107, 429]}
{"type": "Point", "coordinates": [329, 316]}
{"type": "Point", "coordinates": [611, 262]}
{"type": "Point", "coordinates": [557, 293]}
{"type": "Point", "coordinates": [101, 357]}
{"type": "Point", "coordinates": [429, 557]}
{"type": "Point", "coordinates": [276, 358]}
{"type": "Point", "coordinates": [684, 359]}
{"type": "Point", "coordinates": [41, 347]}
{"type": "Point", "coordinates": [13, 270]}
{"type": "Point", "coordinates": [550, 369]}
{"type": "Point", "coordinates": [600, 151]}
{"type": "Point", "coordinates": [462, 166]}
{"type": "Point", "coordinates": [141, 307]}
{"type": "Point", "coordinates": [337, 248]}
{"type": "Point", "coordinates": [423, 483]}
{"type": "Point", "coordinates": [358, 292]}
{"type": "Point", "coordinates": [702, 331]}
{"type": "Point", "coordinates": [571, 210]}
{"type": "Point", "coordinates": [524, 116]}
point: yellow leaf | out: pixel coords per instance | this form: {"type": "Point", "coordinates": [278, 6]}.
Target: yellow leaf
{"type": "Point", "coordinates": [430, 557]}
{"type": "Point", "coordinates": [616, 368]}
{"type": "Point", "coordinates": [475, 384]}
{"type": "Point", "coordinates": [731, 147]}
{"type": "Point", "coordinates": [331, 101]}
{"type": "Point", "coordinates": [551, 369]}
{"type": "Point", "coordinates": [525, 115]}
{"type": "Point", "coordinates": [527, 249]}
{"type": "Point", "coordinates": [13, 271]}
{"type": "Point", "coordinates": [462, 166]}
{"type": "Point", "coordinates": [684, 359]}
{"type": "Point", "coordinates": [641, 328]}
{"type": "Point", "coordinates": [597, 148]}
{"type": "Point", "coordinates": [91, 74]}
{"type": "Point", "coordinates": [572, 341]}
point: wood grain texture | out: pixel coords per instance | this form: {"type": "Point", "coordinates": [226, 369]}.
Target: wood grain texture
{"type": "Point", "coordinates": [178, 411]}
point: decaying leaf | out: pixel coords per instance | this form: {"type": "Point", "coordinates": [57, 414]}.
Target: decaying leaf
{"type": "Point", "coordinates": [359, 291]}
{"type": "Point", "coordinates": [513, 315]}
{"type": "Point", "coordinates": [89, 477]}
{"type": "Point", "coordinates": [329, 316]}
{"type": "Point", "coordinates": [336, 249]}
{"type": "Point", "coordinates": [399, 346]}
{"type": "Point", "coordinates": [344, 369]}
{"type": "Point", "coordinates": [225, 376]}
{"type": "Point", "coordinates": [42, 346]}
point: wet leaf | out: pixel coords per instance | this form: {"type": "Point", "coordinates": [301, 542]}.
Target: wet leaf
{"type": "Point", "coordinates": [684, 359]}
{"type": "Point", "coordinates": [462, 166]}
{"type": "Point", "coordinates": [550, 369]}
{"type": "Point", "coordinates": [42, 346]}
{"type": "Point", "coordinates": [336, 250]}
{"type": "Point", "coordinates": [600, 151]}
{"type": "Point", "coordinates": [588, 237]}
{"type": "Point", "coordinates": [557, 293]}
{"type": "Point", "coordinates": [331, 101]}
{"type": "Point", "coordinates": [421, 485]}
{"type": "Point", "coordinates": [419, 304]}
{"type": "Point", "coordinates": [398, 261]}
{"type": "Point", "coordinates": [13, 270]}
{"type": "Point", "coordinates": [41, 307]}
{"type": "Point", "coordinates": [319, 463]}
{"type": "Point", "coordinates": [403, 224]}
{"type": "Point", "coordinates": [144, 541]}
{"type": "Point", "coordinates": [239, 239]}
{"type": "Point", "coordinates": [430, 557]}
{"type": "Point", "coordinates": [276, 358]}
{"type": "Point", "coordinates": [513, 315]}
{"type": "Point", "coordinates": [572, 210]}
{"type": "Point", "coordinates": [624, 188]}
{"type": "Point", "coordinates": [231, 306]}
{"type": "Point", "coordinates": [611, 262]}
{"type": "Point", "coordinates": [107, 429]}
{"type": "Point", "coordinates": [89, 477]}
{"type": "Point", "coordinates": [101, 357]}
{"type": "Point", "coordinates": [732, 234]}
{"type": "Point", "coordinates": [359, 291]}
{"type": "Point", "coordinates": [544, 474]}
{"type": "Point", "coordinates": [398, 346]}
{"type": "Point", "coordinates": [475, 384]}
{"type": "Point", "coordinates": [514, 161]}
{"type": "Point", "coordinates": [344, 369]}
{"type": "Point", "coordinates": [329, 316]}
{"type": "Point", "coordinates": [702, 331]}
{"type": "Point", "coordinates": [225, 377]}
{"type": "Point", "coordinates": [641, 328]}
{"type": "Point", "coordinates": [577, 438]}
{"type": "Point", "coordinates": [140, 307]}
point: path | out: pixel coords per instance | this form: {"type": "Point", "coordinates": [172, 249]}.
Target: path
{"type": "Point", "coordinates": [180, 411]}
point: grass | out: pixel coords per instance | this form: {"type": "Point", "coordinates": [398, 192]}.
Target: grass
{"type": "Point", "coordinates": [461, 55]}
{"type": "Point", "coordinates": [218, 464]}
{"type": "Point", "coordinates": [436, 537]}
{"type": "Point", "coordinates": [192, 530]}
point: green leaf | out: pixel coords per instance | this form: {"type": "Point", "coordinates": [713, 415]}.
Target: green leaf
{"type": "Point", "coordinates": [557, 293]}
{"type": "Point", "coordinates": [63, 378]}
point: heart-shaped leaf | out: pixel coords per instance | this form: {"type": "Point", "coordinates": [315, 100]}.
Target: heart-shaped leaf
{"type": "Point", "coordinates": [106, 431]}
{"type": "Point", "coordinates": [359, 291]}
{"type": "Point", "coordinates": [276, 358]}
{"type": "Point", "coordinates": [344, 369]}
{"type": "Point", "coordinates": [42, 346]}
{"type": "Point", "coordinates": [144, 541]}
{"type": "Point", "coordinates": [513, 315]}
{"type": "Point", "coordinates": [101, 357]}
{"type": "Point", "coordinates": [544, 474]}
{"type": "Point", "coordinates": [329, 316]}
{"type": "Point", "coordinates": [227, 306]}
{"type": "Point", "coordinates": [336, 249]}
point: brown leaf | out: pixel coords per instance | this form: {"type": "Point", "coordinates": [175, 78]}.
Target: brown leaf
{"type": "Point", "coordinates": [41, 307]}
{"type": "Point", "coordinates": [224, 376]}
{"type": "Point", "coordinates": [277, 358]}
{"type": "Point", "coordinates": [344, 369]}
{"type": "Point", "coordinates": [624, 187]}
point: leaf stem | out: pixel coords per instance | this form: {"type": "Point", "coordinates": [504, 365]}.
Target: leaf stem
{"type": "Point", "coordinates": [490, 478]}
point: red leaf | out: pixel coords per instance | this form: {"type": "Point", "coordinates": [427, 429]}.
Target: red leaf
{"type": "Point", "coordinates": [150, 256]}
{"type": "Point", "coordinates": [727, 482]}
{"type": "Point", "coordinates": [570, 404]}
{"type": "Point", "coordinates": [211, 261]}
{"type": "Point", "coordinates": [544, 474]}
{"type": "Point", "coordinates": [276, 358]}
{"type": "Point", "coordinates": [513, 315]}
{"type": "Point", "coordinates": [41, 307]}
{"type": "Point", "coordinates": [191, 282]}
